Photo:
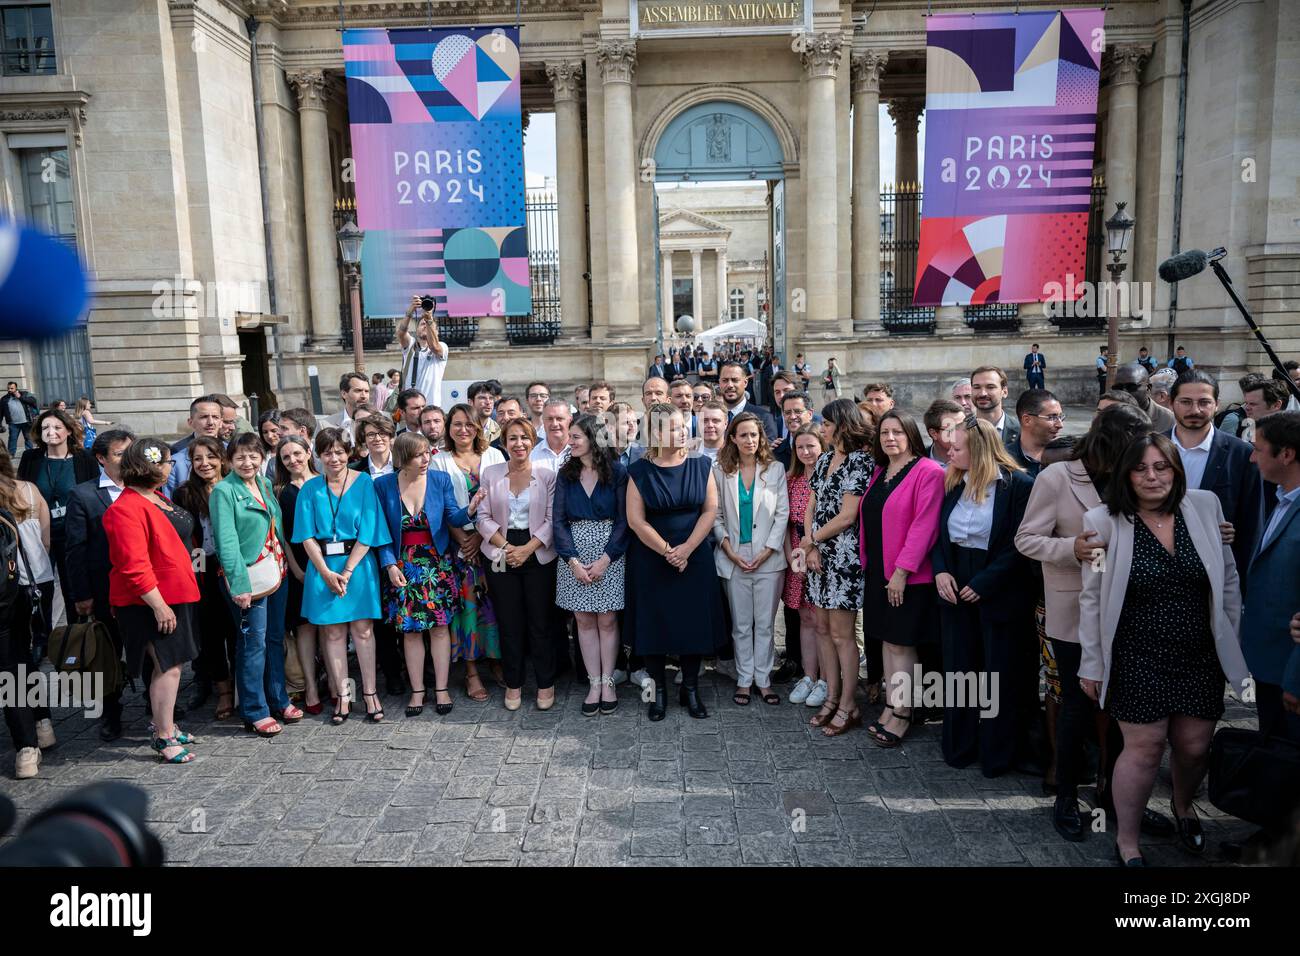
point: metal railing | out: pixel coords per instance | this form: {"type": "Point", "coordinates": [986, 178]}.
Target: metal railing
{"type": "Point", "coordinates": [993, 317]}
{"type": "Point", "coordinates": [900, 246]}
{"type": "Point", "coordinates": [376, 333]}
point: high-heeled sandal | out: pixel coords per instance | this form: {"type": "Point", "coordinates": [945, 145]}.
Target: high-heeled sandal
{"type": "Point", "coordinates": [340, 715]}
{"type": "Point", "coordinates": [411, 709]}
{"type": "Point", "coordinates": [375, 716]}
{"type": "Point", "coordinates": [263, 727]}
{"type": "Point", "coordinates": [442, 710]}
{"type": "Point", "coordinates": [162, 743]}
{"type": "Point", "coordinates": [887, 739]}
{"type": "Point", "coordinates": [821, 720]}
{"type": "Point", "coordinates": [225, 704]}
{"type": "Point", "coordinates": [482, 694]}
{"type": "Point", "coordinates": [851, 720]}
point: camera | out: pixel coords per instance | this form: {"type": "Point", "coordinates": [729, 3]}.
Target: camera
{"type": "Point", "coordinates": [99, 825]}
{"type": "Point", "coordinates": [426, 303]}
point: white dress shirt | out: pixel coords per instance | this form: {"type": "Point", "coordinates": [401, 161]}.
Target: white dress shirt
{"type": "Point", "coordinates": [1001, 423]}
{"type": "Point", "coordinates": [970, 525]}
{"type": "Point", "coordinates": [114, 489]}
{"type": "Point", "coordinates": [519, 510]}
{"type": "Point", "coordinates": [385, 469]}
{"type": "Point", "coordinates": [1195, 458]}
{"type": "Point", "coordinates": [543, 456]}
{"type": "Point", "coordinates": [1286, 500]}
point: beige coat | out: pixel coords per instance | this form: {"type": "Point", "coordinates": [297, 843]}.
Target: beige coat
{"type": "Point", "coordinates": [1062, 493]}
{"type": "Point", "coordinates": [1102, 599]}
{"type": "Point", "coordinates": [771, 515]}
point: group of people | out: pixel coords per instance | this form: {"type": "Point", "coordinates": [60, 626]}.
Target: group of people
{"type": "Point", "coordinates": [976, 544]}
{"type": "Point", "coordinates": [19, 410]}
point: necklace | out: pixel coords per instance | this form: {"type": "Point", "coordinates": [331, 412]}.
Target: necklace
{"type": "Point", "coordinates": [1150, 519]}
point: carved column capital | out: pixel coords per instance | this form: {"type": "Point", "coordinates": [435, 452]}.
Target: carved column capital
{"type": "Point", "coordinates": [820, 53]}
{"type": "Point", "coordinates": [566, 80]}
{"type": "Point", "coordinates": [867, 69]}
{"type": "Point", "coordinates": [617, 60]}
{"type": "Point", "coordinates": [906, 114]}
{"type": "Point", "coordinates": [1125, 62]}
{"type": "Point", "coordinates": [312, 87]}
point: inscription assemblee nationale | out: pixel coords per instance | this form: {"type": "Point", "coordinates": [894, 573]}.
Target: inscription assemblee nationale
{"type": "Point", "coordinates": [783, 11]}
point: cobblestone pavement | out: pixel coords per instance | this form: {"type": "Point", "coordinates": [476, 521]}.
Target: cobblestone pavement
{"type": "Point", "coordinates": [487, 787]}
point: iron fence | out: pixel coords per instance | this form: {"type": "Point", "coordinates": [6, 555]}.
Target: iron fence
{"type": "Point", "coordinates": [900, 246]}
{"type": "Point", "coordinates": [994, 317]}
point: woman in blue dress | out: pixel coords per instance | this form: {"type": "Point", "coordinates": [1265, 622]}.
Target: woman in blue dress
{"type": "Point", "coordinates": [671, 502]}
{"type": "Point", "coordinates": [338, 521]}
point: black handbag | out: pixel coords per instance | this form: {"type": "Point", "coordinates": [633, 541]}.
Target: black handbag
{"type": "Point", "coordinates": [1254, 777]}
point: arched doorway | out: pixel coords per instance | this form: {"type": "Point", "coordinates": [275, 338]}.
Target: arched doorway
{"type": "Point", "coordinates": [717, 141]}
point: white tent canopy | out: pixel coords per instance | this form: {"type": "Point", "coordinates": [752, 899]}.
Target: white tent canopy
{"type": "Point", "coordinates": [739, 329]}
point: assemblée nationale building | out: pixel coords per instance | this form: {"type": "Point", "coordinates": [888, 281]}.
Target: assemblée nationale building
{"type": "Point", "coordinates": [201, 148]}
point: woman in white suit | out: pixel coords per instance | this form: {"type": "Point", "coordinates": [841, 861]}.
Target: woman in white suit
{"type": "Point", "coordinates": [1158, 619]}
{"type": "Point", "coordinates": [754, 508]}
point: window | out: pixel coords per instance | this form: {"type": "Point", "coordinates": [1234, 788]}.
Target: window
{"type": "Point", "coordinates": [28, 40]}
{"type": "Point", "coordinates": [47, 190]}
{"type": "Point", "coordinates": [737, 300]}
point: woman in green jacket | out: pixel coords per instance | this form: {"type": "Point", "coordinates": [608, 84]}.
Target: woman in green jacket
{"type": "Point", "coordinates": [247, 526]}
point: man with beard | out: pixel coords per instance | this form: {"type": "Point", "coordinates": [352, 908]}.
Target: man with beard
{"type": "Point", "coordinates": [1041, 421]}
{"type": "Point", "coordinates": [988, 387]}
{"type": "Point", "coordinates": [732, 381]}
{"type": "Point", "coordinates": [1216, 461]}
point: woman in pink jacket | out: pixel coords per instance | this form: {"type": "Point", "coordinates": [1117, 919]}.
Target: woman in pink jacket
{"type": "Point", "coordinates": [899, 524]}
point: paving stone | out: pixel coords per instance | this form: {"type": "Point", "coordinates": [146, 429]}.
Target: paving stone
{"type": "Point", "coordinates": [492, 847]}
{"type": "Point", "coordinates": [602, 853]}
{"type": "Point", "coordinates": [665, 841]}
{"type": "Point", "coordinates": [550, 837]}
{"type": "Point", "coordinates": [810, 802]}
{"type": "Point", "coordinates": [710, 831]}
{"type": "Point", "coordinates": [345, 831]}
{"type": "Point", "coordinates": [386, 848]}
{"type": "Point", "coordinates": [702, 855]}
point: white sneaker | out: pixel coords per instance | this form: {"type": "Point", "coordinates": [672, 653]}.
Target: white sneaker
{"type": "Point", "coordinates": [45, 738]}
{"type": "Point", "coordinates": [27, 762]}
{"type": "Point", "coordinates": [640, 677]}
{"type": "Point", "coordinates": [801, 690]}
{"type": "Point", "coordinates": [818, 695]}
{"type": "Point", "coordinates": [619, 676]}
{"type": "Point", "coordinates": [726, 668]}
{"type": "Point", "coordinates": [678, 678]}
{"type": "Point", "coordinates": [863, 673]}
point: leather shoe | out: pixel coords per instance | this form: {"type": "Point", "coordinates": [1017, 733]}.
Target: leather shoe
{"type": "Point", "coordinates": [1135, 861]}
{"type": "Point", "coordinates": [659, 707]}
{"type": "Point", "coordinates": [1068, 822]}
{"type": "Point", "coordinates": [1190, 833]}
{"type": "Point", "coordinates": [1157, 824]}
{"type": "Point", "coordinates": [690, 699]}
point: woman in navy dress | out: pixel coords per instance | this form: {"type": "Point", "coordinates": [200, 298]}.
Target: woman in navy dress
{"type": "Point", "coordinates": [671, 503]}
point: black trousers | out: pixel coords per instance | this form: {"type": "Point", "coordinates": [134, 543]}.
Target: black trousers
{"type": "Point", "coordinates": [1274, 719]}
{"type": "Point", "coordinates": [656, 666]}
{"type": "Point", "coordinates": [793, 638]}
{"type": "Point", "coordinates": [16, 649]}
{"type": "Point", "coordinates": [978, 639]}
{"type": "Point", "coordinates": [523, 598]}
{"type": "Point", "coordinates": [1075, 722]}
{"type": "Point", "coordinates": [217, 634]}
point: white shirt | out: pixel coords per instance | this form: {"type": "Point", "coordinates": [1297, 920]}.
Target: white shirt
{"type": "Point", "coordinates": [740, 407]}
{"type": "Point", "coordinates": [1001, 423]}
{"type": "Point", "coordinates": [709, 453]}
{"type": "Point", "coordinates": [519, 510]}
{"type": "Point", "coordinates": [970, 525]}
{"type": "Point", "coordinates": [426, 374]}
{"type": "Point", "coordinates": [542, 455]}
{"type": "Point", "coordinates": [114, 489]}
{"type": "Point", "coordinates": [386, 469]}
{"type": "Point", "coordinates": [1196, 458]}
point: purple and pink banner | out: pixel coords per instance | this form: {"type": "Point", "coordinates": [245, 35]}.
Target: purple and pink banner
{"type": "Point", "coordinates": [1010, 126]}
{"type": "Point", "coordinates": [437, 145]}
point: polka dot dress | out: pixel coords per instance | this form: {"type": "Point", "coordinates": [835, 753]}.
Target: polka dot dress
{"type": "Point", "coordinates": [1163, 658]}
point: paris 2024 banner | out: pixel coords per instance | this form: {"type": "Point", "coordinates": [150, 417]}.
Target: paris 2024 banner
{"type": "Point", "coordinates": [1011, 122]}
{"type": "Point", "coordinates": [437, 143]}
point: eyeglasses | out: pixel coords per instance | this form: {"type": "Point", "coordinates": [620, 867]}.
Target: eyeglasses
{"type": "Point", "coordinates": [1054, 419]}
{"type": "Point", "coordinates": [1205, 403]}
{"type": "Point", "coordinates": [1159, 468]}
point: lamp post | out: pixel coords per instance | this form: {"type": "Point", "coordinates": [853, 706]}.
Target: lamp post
{"type": "Point", "coordinates": [1118, 228]}
{"type": "Point", "coordinates": [350, 246]}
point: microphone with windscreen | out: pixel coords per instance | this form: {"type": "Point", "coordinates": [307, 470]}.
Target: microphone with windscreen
{"type": "Point", "coordinates": [1193, 261]}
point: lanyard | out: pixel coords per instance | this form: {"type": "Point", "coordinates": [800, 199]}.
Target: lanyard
{"type": "Point", "coordinates": [49, 478]}
{"type": "Point", "coordinates": [334, 506]}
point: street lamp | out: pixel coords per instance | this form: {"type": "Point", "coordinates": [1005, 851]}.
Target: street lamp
{"type": "Point", "coordinates": [1118, 228]}
{"type": "Point", "coordinates": [350, 238]}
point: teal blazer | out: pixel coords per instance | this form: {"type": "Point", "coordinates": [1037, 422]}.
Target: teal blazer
{"type": "Point", "coordinates": [240, 525]}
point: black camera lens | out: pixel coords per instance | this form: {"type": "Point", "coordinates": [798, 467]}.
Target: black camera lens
{"type": "Point", "coordinates": [427, 304]}
{"type": "Point", "coordinates": [99, 825]}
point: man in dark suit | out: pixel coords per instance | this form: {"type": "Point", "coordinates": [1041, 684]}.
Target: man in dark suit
{"type": "Point", "coordinates": [87, 551]}
{"type": "Point", "coordinates": [1216, 461]}
{"type": "Point", "coordinates": [988, 386]}
{"type": "Point", "coordinates": [782, 385]}
{"type": "Point", "coordinates": [659, 369]}
{"type": "Point", "coordinates": [733, 379]}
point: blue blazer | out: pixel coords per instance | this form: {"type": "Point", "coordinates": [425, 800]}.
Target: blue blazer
{"type": "Point", "coordinates": [1266, 613]}
{"type": "Point", "coordinates": [439, 507]}
{"type": "Point", "coordinates": [1235, 481]}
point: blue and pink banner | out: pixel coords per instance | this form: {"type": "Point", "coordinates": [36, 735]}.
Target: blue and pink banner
{"type": "Point", "coordinates": [1010, 126]}
{"type": "Point", "coordinates": [437, 146]}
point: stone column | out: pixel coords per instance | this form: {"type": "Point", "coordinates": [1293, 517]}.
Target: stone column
{"type": "Point", "coordinates": [906, 115]}
{"type": "Point", "coordinates": [724, 293]}
{"type": "Point", "coordinates": [867, 68]}
{"type": "Point", "coordinates": [1124, 66]}
{"type": "Point", "coordinates": [571, 199]}
{"type": "Point", "coordinates": [617, 61]}
{"type": "Point", "coordinates": [697, 287]}
{"type": "Point", "coordinates": [666, 292]}
{"type": "Point", "coordinates": [318, 204]}
{"type": "Point", "coordinates": [821, 59]}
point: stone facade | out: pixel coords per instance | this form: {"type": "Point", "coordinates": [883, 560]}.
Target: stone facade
{"type": "Point", "coordinates": [156, 105]}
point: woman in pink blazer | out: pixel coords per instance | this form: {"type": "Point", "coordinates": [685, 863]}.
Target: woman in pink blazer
{"type": "Point", "coordinates": [515, 524]}
{"type": "Point", "coordinates": [899, 519]}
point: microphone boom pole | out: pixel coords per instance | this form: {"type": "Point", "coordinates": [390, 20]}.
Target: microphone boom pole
{"type": "Point", "coordinates": [1226, 280]}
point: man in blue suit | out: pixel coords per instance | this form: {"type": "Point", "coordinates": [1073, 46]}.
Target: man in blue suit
{"type": "Point", "coordinates": [733, 379]}
{"type": "Point", "coordinates": [1215, 461]}
{"type": "Point", "coordinates": [1273, 657]}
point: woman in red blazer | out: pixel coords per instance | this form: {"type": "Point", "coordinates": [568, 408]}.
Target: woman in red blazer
{"type": "Point", "coordinates": [900, 523]}
{"type": "Point", "coordinates": [152, 585]}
